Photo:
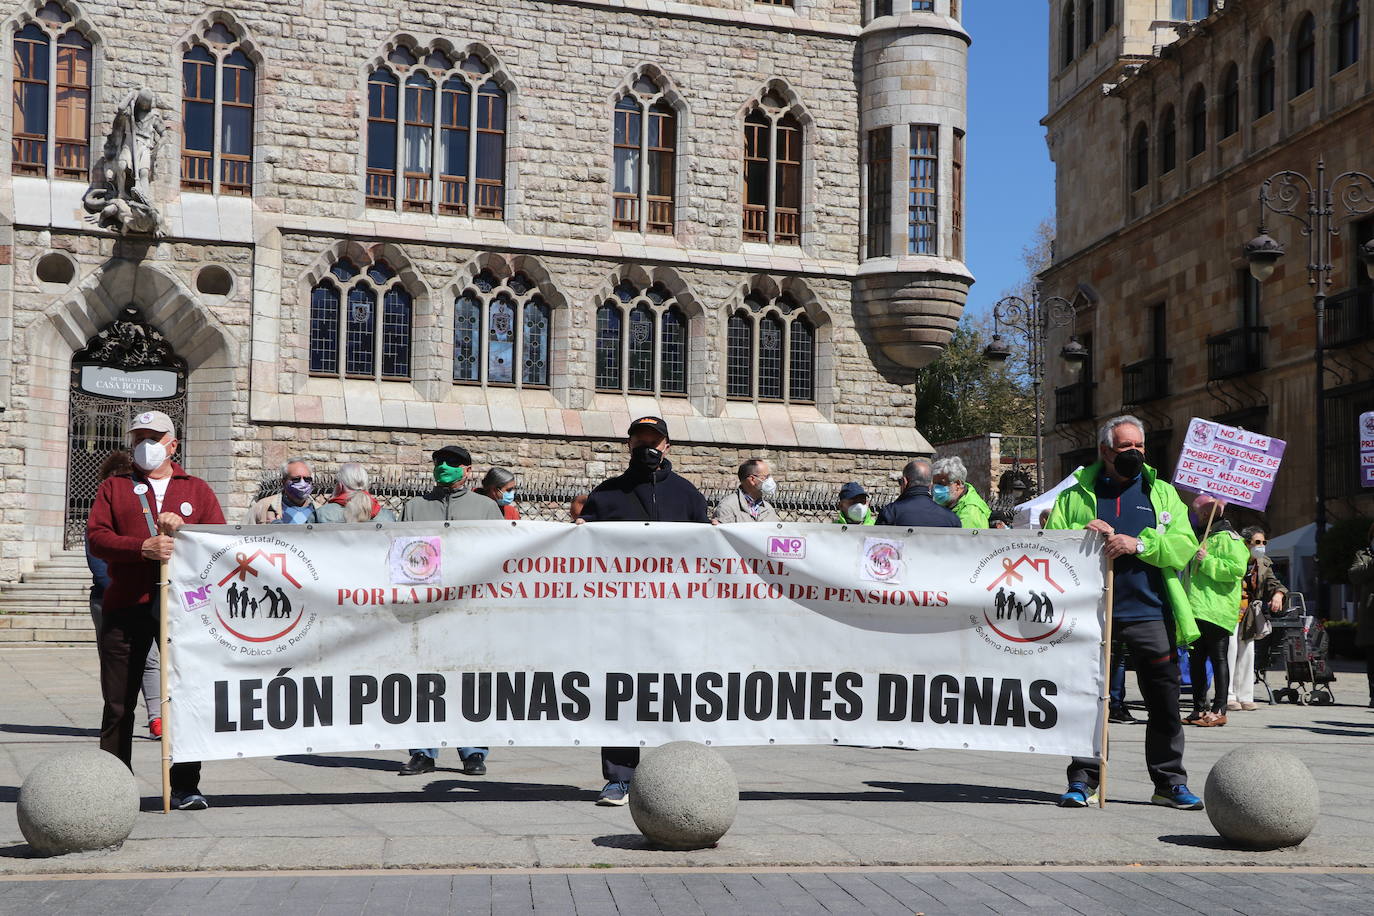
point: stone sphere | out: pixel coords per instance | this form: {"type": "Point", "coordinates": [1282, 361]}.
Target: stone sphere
{"type": "Point", "coordinates": [1261, 798]}
{"type": "Point", "coordinates": [683, 796]}
{"type": "Point", "coordinates": [77, 802]}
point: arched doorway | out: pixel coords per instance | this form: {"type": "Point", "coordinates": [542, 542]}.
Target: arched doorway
{"type": "Point", "coordinates": [126, 368]}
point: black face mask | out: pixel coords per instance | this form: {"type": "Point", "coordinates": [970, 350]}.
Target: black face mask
{"type": "Point", "coordinates": [645, 458]}
{"type": "Point", "coordinates": [1129, 463]}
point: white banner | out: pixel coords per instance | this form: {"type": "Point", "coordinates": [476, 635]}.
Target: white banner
{"type": "Point", "coordinates": [358, 637]}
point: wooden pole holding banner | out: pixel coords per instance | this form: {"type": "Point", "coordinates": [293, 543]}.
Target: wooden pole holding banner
{"type": "Point", "coordinates": [1107, 682]}
{"type": "Point", "coordinates": [1206, 533]}
{"type": "Point", "coordinates": [164, 587]}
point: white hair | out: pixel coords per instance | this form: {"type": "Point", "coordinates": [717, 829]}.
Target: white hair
{"type": "Point", "coordinates": [290, 461]}
{"type": "Point", "coordinates": [1104, 435]}
{"type": "Point", "coordinates": [953, 466]}
{"type": "Point", "coordinates": [352, 476]}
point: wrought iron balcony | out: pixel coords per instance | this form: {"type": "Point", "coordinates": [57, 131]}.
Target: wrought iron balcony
{"type": "Point", "coordinates": [1147, 380]}
{"type": "Point", "coordinates": [1073, 403]}
{"type": "Point", "coordinates": [1350, 316]}
{"type": "Point", "coordinates": [1236, 352]}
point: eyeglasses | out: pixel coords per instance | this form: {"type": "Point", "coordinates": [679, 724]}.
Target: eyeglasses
{"type": "Point", "coordinates": [1258, 542]}
{"type": "Point", "coordinates": [300, 479]}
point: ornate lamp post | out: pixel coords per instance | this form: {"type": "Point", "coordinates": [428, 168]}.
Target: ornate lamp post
{"type": "Point", "coordinates": [1313, 206]}
{"type": "Point", "coordinates": [1033, 321]}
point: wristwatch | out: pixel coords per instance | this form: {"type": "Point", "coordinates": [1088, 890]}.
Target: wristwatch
{"type": "Point", "coordinates": [1139, 546]}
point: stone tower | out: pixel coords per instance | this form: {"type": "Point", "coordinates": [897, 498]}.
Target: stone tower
{"type": "Point", "coordinates": [912, 281]}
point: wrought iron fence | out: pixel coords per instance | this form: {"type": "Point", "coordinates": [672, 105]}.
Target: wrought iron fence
{"type": "Point", "coordinates": [549, 499]}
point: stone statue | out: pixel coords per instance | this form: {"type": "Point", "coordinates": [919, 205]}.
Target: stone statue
{"type": "Point", "coordinates": [120, 195]}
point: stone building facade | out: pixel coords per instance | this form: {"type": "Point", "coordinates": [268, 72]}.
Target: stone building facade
{"type": "Point", "coordinates": [1165, 119]}
{"type": "Point", "coordinates": [387, 226]}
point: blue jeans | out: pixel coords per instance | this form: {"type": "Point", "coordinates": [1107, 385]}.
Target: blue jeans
{"type": "Point", "coordinates": [463, 752]}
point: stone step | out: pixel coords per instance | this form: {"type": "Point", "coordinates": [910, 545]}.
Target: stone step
{"type": "Point", "coordinates": [47, 629]}
{"type": "Point", "coordinates": [30, 587]}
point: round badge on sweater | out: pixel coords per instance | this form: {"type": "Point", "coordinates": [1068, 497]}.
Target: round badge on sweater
{"type": "Point", "coordinates": [140, 489]}
{"type": "Point", "coordinates": [186, 509]}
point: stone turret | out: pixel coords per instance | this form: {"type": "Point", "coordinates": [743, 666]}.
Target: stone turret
{"type": "Point", "coordinates": [912, 281]}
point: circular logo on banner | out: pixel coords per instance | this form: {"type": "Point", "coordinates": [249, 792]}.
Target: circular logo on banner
{"type": "Point", "coordinates": [254, 595]}
{"type": "Point", "coordinates": [1021, 590]}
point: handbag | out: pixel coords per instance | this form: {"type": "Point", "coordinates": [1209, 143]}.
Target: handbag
{"type": "Point", "coordinates": [1254, 623]}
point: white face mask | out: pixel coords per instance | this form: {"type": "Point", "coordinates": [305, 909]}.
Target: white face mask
{"type": "Point", "coordinates": [149, 455]}
{"type": "Point", "coordinates": [857, 513]}
{"type": "Point", "coordinates": [768, 487]}
{"type": "Point", "coordinates": [1257, 551]}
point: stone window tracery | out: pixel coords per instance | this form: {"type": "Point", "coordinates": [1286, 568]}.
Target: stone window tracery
{"type": "Point", "coordinates": [770, 352]}
{"type": "Point", "coordinates": [360, 323]}
{"type": "Point", "coordinates": [443, 122]}
{"type": "Point", "coordinates": [772, 172]}
{"type": "Point", "coordinates": [501, 331]}
{"type": "Point", "coordinates": [641, 342]}
{"type": "Point", "coordinates": [51, 130]}
{"type": "Point", "coordinates": [645, 144]}
{"type": "Point", "coordinates": [217, 95]}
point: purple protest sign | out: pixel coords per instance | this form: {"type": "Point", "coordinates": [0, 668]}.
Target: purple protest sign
{"type": "Point", "coordinates": [1367, 449]}
{"type": "Point", "coordinates": [1235, 464]}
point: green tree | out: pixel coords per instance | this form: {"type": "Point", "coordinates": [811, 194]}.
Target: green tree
{"type": "Point", "coordinates": [962, 394]}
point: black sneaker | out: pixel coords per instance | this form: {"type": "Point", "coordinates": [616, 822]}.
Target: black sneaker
{"type": "Point", "coordinates": [1121, 715]}
{"type": "Point", "coordinates": [417, 764]}
{"type": "Point", "coordinates": [191, 801]}
{"type": "Point", "coordinates": [474, 765]}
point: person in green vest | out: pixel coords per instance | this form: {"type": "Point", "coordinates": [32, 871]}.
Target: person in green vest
{"type": "Point", "coordinates": [852, 506]}
{"type": "Point", "coordinates": [1214, 586]}
{"type": "Point", "coordinates": [1148, 542]}
{"type": "Point", "coordinates": [951, 489]}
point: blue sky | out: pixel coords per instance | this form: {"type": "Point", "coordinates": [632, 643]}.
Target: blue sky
{"type": "Point", "coordinates": [1010, 185]}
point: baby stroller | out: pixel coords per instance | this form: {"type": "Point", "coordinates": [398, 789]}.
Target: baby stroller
{"type": "Point", "coordinates": [1303, 645]}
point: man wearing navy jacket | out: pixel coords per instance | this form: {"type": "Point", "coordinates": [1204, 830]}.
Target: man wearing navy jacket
{"type": "Point", "coordinates": [131, 527]}
{"type": "Point", "coordinates": [649, 491]}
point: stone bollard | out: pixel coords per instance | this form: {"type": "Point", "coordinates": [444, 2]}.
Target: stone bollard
{"type": "Point", "coordinates": [683, 796]}
{"type": "Point", "coordinates": [77, 802]}
{"type": "Point", "coordinates": [1261, 798]}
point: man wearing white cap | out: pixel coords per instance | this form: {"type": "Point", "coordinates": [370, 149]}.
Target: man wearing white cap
{"type": "Point", "coordinates": [131, 527]}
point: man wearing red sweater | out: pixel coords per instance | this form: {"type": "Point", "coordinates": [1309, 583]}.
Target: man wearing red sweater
{"type": "Point", "coordinates": [131, 527]}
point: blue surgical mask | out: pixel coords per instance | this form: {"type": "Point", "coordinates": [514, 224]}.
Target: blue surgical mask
{"type": "Point", "coordinates": [940, 493]}
{"type": "Point", "coordinates": [506, 498]}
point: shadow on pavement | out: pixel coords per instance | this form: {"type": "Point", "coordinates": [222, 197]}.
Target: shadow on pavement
{"type": "Point", "coordinates": [9, 794]}
{"type": "Point", "coordinates": [1337, 729]}
{"type": "Point", "coordinates": [51, 730]}
{"type": "Point", "coordinates": [1198, 841]}
{"type": "Point", "coordinates": [18, 851]}
{"type": "Point", "coordinates": [357, 763]}
{"type": "Point", "coordinates": [917, 792]}
{"type": "Point", "coordinates": [444, 790]}
{"type": "Point", "coordinates": [622, 841]}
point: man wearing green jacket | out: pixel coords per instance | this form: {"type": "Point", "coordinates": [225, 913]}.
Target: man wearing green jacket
{"type": "Point", "coordinates": [852, 506]}
{"type": "Point", "coordinates": [951, 489]}
{"type": "Point", "coordinates": [1148, 542]}
{"type": "Point", "coordinates": [1214, 581]}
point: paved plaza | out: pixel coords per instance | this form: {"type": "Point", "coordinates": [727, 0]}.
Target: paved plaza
{"type": "Point", "coordinates": [809, 819]}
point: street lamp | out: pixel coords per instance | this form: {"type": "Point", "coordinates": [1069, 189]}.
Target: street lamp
{"type": "Point", "coordinates": [1033, 320]}
{"type": "Point", "coordinates": [1293, 194]}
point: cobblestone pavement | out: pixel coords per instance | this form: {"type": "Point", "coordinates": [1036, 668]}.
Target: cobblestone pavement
{"type": "Point", "coordinates": [823, 808]}
{"type": "Point", "coordinates": [681, 893]}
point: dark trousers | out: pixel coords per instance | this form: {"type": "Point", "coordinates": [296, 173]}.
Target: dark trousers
{"type": "Point", "coordinates": [1116, 695]}
{"type": "Point", "coordinates": [1210, 645]}
{"type": "Point", "coordinates": [1369, 670]}
{"type": "Point", "coordinates": [124, 641]}
{"type": "Point", "coordinates": [618, 763]}
{"type": "Point", "coordinates": [1151, 644]}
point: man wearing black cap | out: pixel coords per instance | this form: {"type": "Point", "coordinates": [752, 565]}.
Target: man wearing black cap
{"type": "Point", "coordinates": [450, 500]}
{"type": "Point", "coordinates": [853, 506]}
{"type": "Point", "coordinates": [649, 491]}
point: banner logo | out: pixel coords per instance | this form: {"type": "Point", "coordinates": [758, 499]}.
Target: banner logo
{"type": "Point", "coordinates": [787, 548]}
{"type": "Point", "coordinates": [1022, 608]}
{"type": "Point", "coordinates": [882, 560]}
{"type": "Point", "coordinates": [415, 561]}
{"type": "Point", "coordinates": [254, 598]}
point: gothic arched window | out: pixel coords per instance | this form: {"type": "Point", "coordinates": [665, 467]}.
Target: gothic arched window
{"type": "Point", "coordinates": [641, 342]}
{"type": "Point", "coordinates": [1265, 80]}
{"type": "Point", "coordinates": [1197, 122]}
{"type": "Point", "coordinates": [460, 149]}
{"type": "Point", "coordinates": [217, 96]}
{"type": "Point", "coordinates": [770, 352]}
{"type": "Point", "coordinates": [772, 173]}
{"type": "Point", "coordinates": [1347, 35]}
{"type": "Point", "coordinates": [501, 333]}
{"type": "Point", "coordinates": [1305, 55]}
{"type": "Point", "coordinates": [51, 130]}
{"type": "Point", "coordinates": [362, 319]}
{"type": "Point", "coordinates": [1230, 101]}
{"type": "Point", "coordinates": [1140, 158]}
{"type": "Point", "coordinates": [645, 149]}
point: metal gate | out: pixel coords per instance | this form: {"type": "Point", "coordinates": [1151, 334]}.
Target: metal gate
{"type": "Point", "coordinates": [128, 357]}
